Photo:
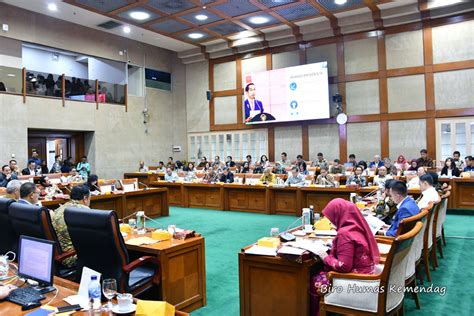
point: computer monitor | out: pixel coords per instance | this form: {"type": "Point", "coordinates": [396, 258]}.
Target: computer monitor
{"type": "Point", "coordinates": [35, 260]}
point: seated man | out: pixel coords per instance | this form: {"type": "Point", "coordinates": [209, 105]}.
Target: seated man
{"type": "Point", "coordinates": [31, 169]}
{"type": "Point", "coordinates": [415, 182]}
{"type": "Point", "coordinates": [47, 188]}
{"type": "Point", "coordinates": [357, 178]}
{"type": "Point", "coordinates": [226, 176]}
{"type": "Point", "coordinates": [161, 167]}
{"type": "Point", "coordinates": [424, 160]}
{"type": "Point", "coordinates": [469, 164]}
{"type": "Point", "coordinates": [217, 162]}
{"type": "Point", "coordinates": [428, 191]}
{"type": "Point", "coordinates": [6, 176]}
{"type": "Point", "coordinates": [377, 163]}
{"type": "Point", "coordinates": [267, 177]}
{"type": "Point", "coordinates": [229, 163]}
{"type": "Point", "coordinates": [210, 177]}
{"type": "Point", "coordinates": [294, 177]}
{"type": "Point", "coordinates": [171, 176]}
{"type": "Point", "coordinates": [386, 208]}
{"type": "Point", "coordinates": [320, 161]}
{"type": "Point", "coordinates": [406, 207]}
{"type": "Point", "coordinates": [13, 190]}
{"type": "Point", "coordinates": [74, 176]}
{"type": "Point", "coordinates": [279, 168]}
{"type": "Point", "coordinates": [337, 167]}
{"type": "Point", "coordinates": [325, 179]}
{"type": "Point", "coordinates": [80, 197]}
{"type": "Point", "coordinates": [171, 163]}
{"type": "Point", "coordinates": [29, 194]}
{"type": "Point", "coordinates": [284, 162]}
{"type": "Point", "coordinates": [382, 177]}
{"type": "Point", "coordinates": [142, 167]}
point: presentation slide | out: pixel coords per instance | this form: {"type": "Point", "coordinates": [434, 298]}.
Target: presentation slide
{"type": "Point", "coordinates": [287, 94]}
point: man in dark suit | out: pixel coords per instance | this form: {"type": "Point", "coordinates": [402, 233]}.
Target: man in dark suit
{"type": "Point", "coordinates": [251, 104]}
{"type": "Point", "coordinates": [29, 194]}
{"type": "Point", "coordinates": [406, 206]}
{"type": "Point", "coordinates": [31, 170]}
{"type": "Point", "coordinates": [227, 176]}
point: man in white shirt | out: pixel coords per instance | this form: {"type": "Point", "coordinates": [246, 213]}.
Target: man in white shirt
{"type": "Point", "coordinates": [415, 182]}
{"type": "Point", "coordinates": [379, 180]}
{"type": "Point", "coordinates": [296, 178]}
{"type": "Point", "coordinates": [428, 192]}
{"type": "Point", "coordinates": [284, 162]}
{"type": "Point", "coordinates": [171, 176]}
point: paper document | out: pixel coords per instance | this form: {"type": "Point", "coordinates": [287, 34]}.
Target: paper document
{"type": "Point", "coordinates": [141, 241]}
{"type": "Point", "coordinates": [286, 250]}
{"type": "Point", "coordinates": [375, 224]}
{"type": "Point", "coordinates": [313, 246]}
{"type": "Point", "coordinates": [325, 232]}
{"type": "Point", "coordinates": [261, 251]}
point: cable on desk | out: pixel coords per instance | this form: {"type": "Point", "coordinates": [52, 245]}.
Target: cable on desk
{"type": "Point", "coordinates": [55, 295]}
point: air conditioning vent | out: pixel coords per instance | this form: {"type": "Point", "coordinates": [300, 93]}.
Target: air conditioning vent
{"type": "Point", "coordinates": [109, 25]}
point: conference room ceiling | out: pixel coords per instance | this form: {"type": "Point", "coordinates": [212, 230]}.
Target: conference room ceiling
{"type": "Point", "coordinates": [203, 29]}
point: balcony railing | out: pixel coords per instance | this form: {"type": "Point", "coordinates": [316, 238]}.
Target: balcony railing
{"type": "Point", "coordinates": [37, 84]}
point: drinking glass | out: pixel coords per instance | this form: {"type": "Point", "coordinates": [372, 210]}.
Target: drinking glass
{"type": "Point", "coordinates": [132, 222]}
{"type": "Point", "coordinates": [274, 232]}
{"type": "Point", "coordinates": [109, 288]}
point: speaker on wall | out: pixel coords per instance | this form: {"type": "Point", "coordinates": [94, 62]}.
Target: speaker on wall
{"type": "Point", "coordinates": [208, 95]}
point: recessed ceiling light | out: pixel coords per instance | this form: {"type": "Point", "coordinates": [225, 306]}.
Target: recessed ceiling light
{"type": "Point", "coordinates": [201, 17]}
{"type": "Point", "coordinates": [126, 29]}
{"type": "Point", "coordinates": [195, 35]}
{"type": "Point", "coordinates": [139, 15]}
{"type": "Point", "coordinates": [258, 20]}
{"type": "Point", "coordinates": [340, 2]}
{"type": "Point", "coordinates": [52, 7]}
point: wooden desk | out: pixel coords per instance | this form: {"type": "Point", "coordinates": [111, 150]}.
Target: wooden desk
{"type": "Point", "coordinates": [203, 196]}
{"type": "Point", "coordinates": [274, 286]}
{"type": "Point", "coordinates": [245, 198]}
{"type": "Point", "coordinates": [66, 288]}
{"type": "Point", "coordinates": [462, 194]}
{"type": "Point", "coordinates": [153, 201]}
{"type": "Point", "coordinates": [183, 269]}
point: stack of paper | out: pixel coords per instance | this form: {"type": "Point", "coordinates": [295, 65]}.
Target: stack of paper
{"type": "Point", "coordinates": [261, 251]}
{"type": "Point", "coordinates": [141, 241]}
{"type": "Point", "coordinates": [375, 224]}
{"type": "Point", "coordinates": [321, 232]}
{"type": "Point", "coordinates": [313, 246]}
{"type": "Point", "coordinates": [287, 250]}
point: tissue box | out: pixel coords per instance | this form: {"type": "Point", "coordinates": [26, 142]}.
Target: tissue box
{"type": "Point", "coordinates": [154, 308]}
{"type": "Point", "coordinates": [125, 228]}
{"type": "Point", "coordinates": [269, 242]}
{"type": "Point", "coordinates": [323, 224]}
{"type": "Point", "coordinates": [161, 235]}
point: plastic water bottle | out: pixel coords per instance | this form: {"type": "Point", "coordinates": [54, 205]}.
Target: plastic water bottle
{"type": "Point", "coordinates": [311, 214]}
{"type": "Point", "coordinates": [94, 295]}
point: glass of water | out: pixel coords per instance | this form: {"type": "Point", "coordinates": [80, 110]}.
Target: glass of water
{"type": "Point", "coordinates": [109, 288]}
{"type": "Point", "coordinates": [132, 222]}
{"type": "Point", "coordinates": [274, 231]}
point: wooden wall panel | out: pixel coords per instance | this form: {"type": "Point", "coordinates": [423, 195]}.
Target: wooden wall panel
{"type": "Point", "coordinates": [427, 69]}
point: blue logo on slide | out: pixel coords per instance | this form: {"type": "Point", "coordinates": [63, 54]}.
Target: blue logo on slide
{"type": "Point", "coordinates": [294, 104]}
{"type": "Point", "coordinates": [293, 86]}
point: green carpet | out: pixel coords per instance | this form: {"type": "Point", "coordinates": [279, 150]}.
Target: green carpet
{"type": "Point", "coordinates": [227, 232]}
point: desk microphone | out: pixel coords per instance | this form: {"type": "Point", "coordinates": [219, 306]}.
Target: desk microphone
{"type": "Point", "coordinates": [371, 193]}
{"type": "Point", "coordinates": [98, 189]}
{"type": "Point", "coordinates": [286, 236]}
{"type": "Point", "coordinates": [145, 216]}
{"type": "Point", "coordinates": [67, 188]}
{"type": "Point", "coordinates": [146, 186]}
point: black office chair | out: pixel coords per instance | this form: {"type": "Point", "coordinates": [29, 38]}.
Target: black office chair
{"type": "Point", "coordinates": [8, 237]}
{"type": "Point", "coordinates": [35, 221]}
{"type": "Point", "coordinates": [99, 245]}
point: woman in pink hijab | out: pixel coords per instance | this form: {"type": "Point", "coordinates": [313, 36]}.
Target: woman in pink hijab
{"type": "Point", "coordinates": [354, 249]}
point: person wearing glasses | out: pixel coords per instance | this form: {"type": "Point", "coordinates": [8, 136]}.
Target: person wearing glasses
{"type": "Point", "coordinates": [29, 194]}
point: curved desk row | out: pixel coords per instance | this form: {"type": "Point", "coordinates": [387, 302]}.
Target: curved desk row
{"type": "Point", "coordinates": [255, 198]}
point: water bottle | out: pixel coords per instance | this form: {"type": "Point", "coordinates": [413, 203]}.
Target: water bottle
{"type": "Point", "coordinates": [141, 222]}
{"type": "Point", "coordinates": [306, 225]}
{"type": "Point", "coordinates": [311, 214]}
{"type": "Point", "coordinates": [94, 295]}
{"type": "Point", "coordinates": [317, 217]}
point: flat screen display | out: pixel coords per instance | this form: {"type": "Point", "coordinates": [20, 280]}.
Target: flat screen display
{"type": "Point", "coordinates": [286, 94]}
{"type": "Point", "coordinates": [35, 260]}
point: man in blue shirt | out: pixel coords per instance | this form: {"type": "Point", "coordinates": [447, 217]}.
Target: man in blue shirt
{"type": "Point", "coordinates": [469, 164]}
{"type": "Point", "coordinates": [406, 206]}
{"type": "Point", "coordinates": [377, 163]}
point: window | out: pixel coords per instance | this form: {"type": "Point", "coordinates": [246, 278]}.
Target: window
{"type": "Point", "coordinates": [455, 134]}
{"type": "Point", "coordinates": [236, 144]}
